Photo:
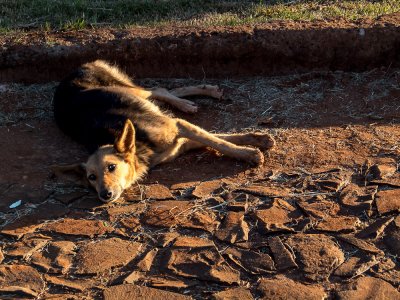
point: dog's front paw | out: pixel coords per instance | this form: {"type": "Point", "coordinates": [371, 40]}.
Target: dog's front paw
{"type": "Point", "coordinates": [214, 91]}
{"type": "Point", "coordinates": [264, 141]}
{"type": "Point", "coordinates": [255, 157]}
{"type": "Point", "coordinates": [187, 106]}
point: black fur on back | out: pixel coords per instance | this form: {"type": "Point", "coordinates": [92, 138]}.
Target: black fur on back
{"type": "Point", "coordinates": [91, 107]}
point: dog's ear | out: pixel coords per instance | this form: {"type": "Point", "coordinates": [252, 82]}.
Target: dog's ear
{"type": "Point", "coordinates": [125, 142]}
{"type": "Point", "coordinates": [75, 173]}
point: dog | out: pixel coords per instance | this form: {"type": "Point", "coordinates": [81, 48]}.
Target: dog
{"type": "Point", "coordinates": [126, 133]}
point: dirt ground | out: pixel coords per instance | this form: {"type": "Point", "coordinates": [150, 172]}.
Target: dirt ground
{"type": "Point", "coordinates": [320, 219]}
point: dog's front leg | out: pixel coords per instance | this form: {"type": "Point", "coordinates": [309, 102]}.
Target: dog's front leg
{"type": "Point", "coordinates": [181, 104]}
{"type": "Point", "coordinates": [173, 97]}
{"type": "Point", "coordinates": [199, 90]}
{"type": "Point", "coordinates": [196, 134]}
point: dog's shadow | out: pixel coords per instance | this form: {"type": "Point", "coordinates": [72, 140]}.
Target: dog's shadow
{"type": "Point", "coordinates": [194, 166]}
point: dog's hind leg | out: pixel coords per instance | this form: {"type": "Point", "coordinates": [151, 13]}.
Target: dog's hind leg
{"type": "Point", "coordinates": [203, 138]}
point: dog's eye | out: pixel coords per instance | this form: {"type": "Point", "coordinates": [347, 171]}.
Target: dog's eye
{"type": "Point", "coordinates": [92, 177]}
{"type": "Point", "coordinates": [111, 167]}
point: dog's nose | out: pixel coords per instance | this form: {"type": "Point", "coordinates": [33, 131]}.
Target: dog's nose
{"type": "Point", "coordinates": [105, 194]}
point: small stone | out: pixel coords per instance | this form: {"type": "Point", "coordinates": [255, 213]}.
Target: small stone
{"type": "Point", "coordinates": [361, 244]}
{"type": "Point", "coordinates": [199, 258]}
{"type": "Point", "coordinates": [100, 256]}
{"type": "Point", "coordinates": [171, 282]}
{"type": "Point", "coordinates": [282, 256]}
{"type": "Point", "coordinates": [135, 276]}
{"type": "Point", "coordinates": [76, 284]}
{"type": "Point", "coordinates": [358, 199]}
{"type": "Point", "coordinates": [319, 208]}
{"type": "Point", "coordinates": [268, 121]}
{"type": "Point", "coordinates": [385, 264]}
{"type": "Point", "coordinates": [56, 258]}
{"type": "Point", "coordinates": [318, 255]}
{"type": "Point", "coordinates": [388, 201]}
{"type": "Point", "coordinates": [381, 171]}
{"type": "Point", "coordinates": [117, 213]}
{"type": "Point", "coordinates": [242, 202]}
{"type": "Point", "coordinates": [338, 224]}
{"type": "Point", "coordinates": [266, 191]}
{"type": "Point", "coordinates": [355, 266]}
{"type": "Point", "coordinates": [239, 293]}
{"type": "Point", "coordinates": [29, 223]}
{"type": "Point", "coordinates": [128, 216]}
{"type": "Point", "coordinates": [256, 241]}
{"type": "Point", "coordinates": [165, 239]}
{"type": "Point", "coordinates": [233, 228]}
{"type": "Point", "coordinates": [251, 261]}
{"type": "Point", "coordinates": [376, 229]}
{"type": "Point", "coordinates": [278, 217]}
{"type": "Point", "coordinates": [215, 201]}
{"type": "Point", "coordinates": [21, 279]}
{"type": "Point", "coordinates": [193, 242]}
{"type": "Point", "coordinates": [130, 224]}
{"type": "Point", "coordinates": [63, 296]}
{"type": "Point", "coordinates": [285, 288]}
{"type": "Point", "coordinates": [367, 288]}
{"type": "Point", "coordinates": [130, 291]}
{"type": "Point", "coordinates": [392, 240]}
{"type": "Point", "coordinates": [392, 181]}
{"type": "Point", "coordinates": [147, 261]}
{"type": "Point", "coordinates": [331, 185]}
{"type": "Point", "coordinates": [179, 213]}
{"type": "Point", "coordinates": [397, 221]}
{"type": "Point", "coordinates": [26, 247]}
{"type": "Point", "coordinates": [158, 192]}
{"type": "Point", "coordinates": [76, 227]}
{"type": "Point", "coordinates": [388, 271]}
{"type": "Point", "coordinates": [235, 206]}
{"type": "Point", "coordinates": [184, 185]}
{"type": "Point", "coordinates": [208, 188]}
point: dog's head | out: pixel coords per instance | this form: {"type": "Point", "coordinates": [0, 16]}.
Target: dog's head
{"type": "Point", "coordinates": [111, 169]}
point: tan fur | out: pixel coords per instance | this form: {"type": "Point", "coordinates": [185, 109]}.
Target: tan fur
{"type": "Point", "coordinates": [113, 70]}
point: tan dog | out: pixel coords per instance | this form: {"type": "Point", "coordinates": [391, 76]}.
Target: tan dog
{"type": "Point", "coordinates": [102, 108]}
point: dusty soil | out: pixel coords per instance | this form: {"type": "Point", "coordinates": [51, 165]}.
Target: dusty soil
{"type": "Point", "coordinates": [275, 48]}
{"type": "Point", "coordinates": [320, 219]}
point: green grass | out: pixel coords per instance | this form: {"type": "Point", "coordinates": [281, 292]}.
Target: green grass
{"type": "Point", "coordinates": [78, 14]}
